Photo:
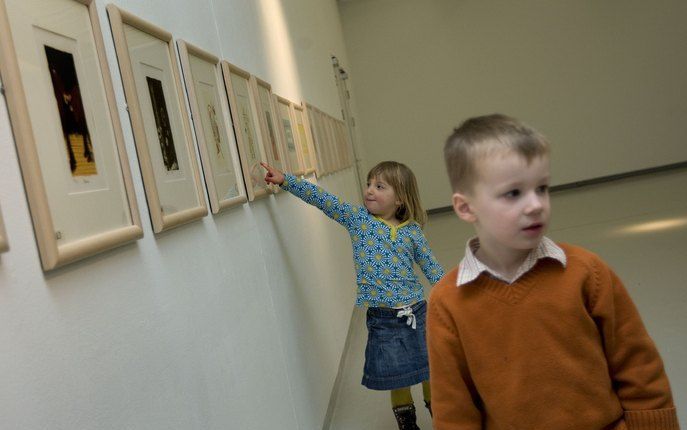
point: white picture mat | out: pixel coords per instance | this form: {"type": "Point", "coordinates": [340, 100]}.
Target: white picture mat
{"type": "Point", "coordinates": [224, 157]}
{"type": "Point", "coordinates": [150, 58]}
{"type": "Point", "coordinates": [80, 206]}
{"type": "Point", "coordinates": [254, 152]}
{"type": "Point", "coordinates": [289, 135]}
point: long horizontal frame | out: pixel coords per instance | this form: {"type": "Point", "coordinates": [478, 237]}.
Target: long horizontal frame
{"type": "Point", "coordinates": [161, 222]}
{"type": "Point", "coordinates": [217, 204]}
{"type": "Point", "coordinates": [53, 255]}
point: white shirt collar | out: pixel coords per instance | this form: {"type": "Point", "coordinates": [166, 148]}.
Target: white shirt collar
{"type": "Point", "coordinates": [470, 267]}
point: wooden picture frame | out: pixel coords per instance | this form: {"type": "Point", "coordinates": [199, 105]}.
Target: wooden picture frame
{"type": "Point", "coordinates": [209, 110]}
{"type": "Point", "coordinates": [4, 243]}
{"type": "Point", "coordinates": [304, 138]}
{"type": "Point", "coordinates": [287, 131]}
{"type": "Point", "coordinates": [244, 117]}
{"type": "Point", "coordinates": [159, 120]}
{"type": "Point", "coordinates": [318, 139]}
{"type": "Point", "coordinates": [269, 129]}
{"type": "Point", "coordinates": [66, 128]}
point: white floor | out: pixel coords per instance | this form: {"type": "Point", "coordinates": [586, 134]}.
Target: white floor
{"type": "Point", "coordinates": [638, 225]}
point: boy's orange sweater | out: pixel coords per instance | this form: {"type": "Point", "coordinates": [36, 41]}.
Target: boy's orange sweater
{"type": "Point", "coordinates": [561, 348]}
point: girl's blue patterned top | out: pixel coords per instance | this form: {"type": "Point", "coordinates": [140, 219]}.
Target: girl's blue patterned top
{"type": "Point", "coordinates": [383, 254]}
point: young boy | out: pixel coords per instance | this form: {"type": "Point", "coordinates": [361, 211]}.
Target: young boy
{"type": "Point", "coordinates": [527, 334]}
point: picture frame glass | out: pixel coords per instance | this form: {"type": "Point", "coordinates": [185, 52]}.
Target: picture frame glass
{"type": "Point", "coordinates": [246, 122]}
{"type": "Point", "coordinates": [161, 113]}
{"type": "Point", "coordinates": [284, 113]}
{"type": "Point", "coordinates": [302, 134]}
{"type": "Point", "coordinates": [219, 143]}
{"type": "Point", "coordinates": [270, 139]}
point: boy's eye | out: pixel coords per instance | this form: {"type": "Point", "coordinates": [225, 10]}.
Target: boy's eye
{"type": "Point", "coordinates": [543, 189]}
{"type": "Point", "coordinates": [512, 194]}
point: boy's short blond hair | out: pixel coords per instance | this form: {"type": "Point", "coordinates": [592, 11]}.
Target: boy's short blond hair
{"type": "Point", "coordinates": [481, 136]}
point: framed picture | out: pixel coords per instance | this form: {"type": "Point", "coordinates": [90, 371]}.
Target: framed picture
{"type": "Point", "coordinates": [216, 145]}
{"type": "Point", "coordinates": [318, 139]}
{"type": "Point", "coordinates": [304, 138]}
{"type": "Point", "coordinates": [67, 132]}
{"type": "Point", "coordinates": [288, 135]}
{"type": "Point", "coordinates": [159, 120]}
{"type": "Point", "coordinates": [244, 116]}
{"type": "Point", "coordinates": [347, 158]}
{"type": "Point", "coordinates": [268, 124]}
{"type": "Point", "coordinates": [327, 144]}
{"type": "Point", "coordinates": [4, 244]}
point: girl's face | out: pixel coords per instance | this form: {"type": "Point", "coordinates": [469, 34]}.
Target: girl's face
{"type": "Point", "coordinates": [381, 199]}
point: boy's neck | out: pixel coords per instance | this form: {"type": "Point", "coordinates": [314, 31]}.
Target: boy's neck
{"type": "Point", "coordinates": [505, 262]}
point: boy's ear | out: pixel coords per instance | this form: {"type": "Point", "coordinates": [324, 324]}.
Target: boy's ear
{"type": "Point", "coordinates": [461, 206]}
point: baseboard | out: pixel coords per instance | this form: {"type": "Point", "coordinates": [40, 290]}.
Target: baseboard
{"type": "Point", "coordinates": [593, 181]}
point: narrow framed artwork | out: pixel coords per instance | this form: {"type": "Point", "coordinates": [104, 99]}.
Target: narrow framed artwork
{"type": "Point", "coordinates": [244, 116]}
{"type": "Point", "coordinates": [218, 153]}
{"type": "Point", "coordinates": [66, 128]}
{"type": "Point", "coordinates": [268, 128]}
{"type": "Point", "coordinates": [4, 243]}
{"type": "Point", "coordinates": [288, 135]}
{"type": "Point", "coordinates": [304, 138]}
{"type": "Point", "coordinates": [318, 139]}
{"type": "Point", "coordinates": [154, 96]}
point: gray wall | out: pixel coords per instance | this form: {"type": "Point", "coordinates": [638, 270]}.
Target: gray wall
{"type": "Point", "coordinates": [605, 81]}
{"type": "Point", "coordinates": [235, 321]}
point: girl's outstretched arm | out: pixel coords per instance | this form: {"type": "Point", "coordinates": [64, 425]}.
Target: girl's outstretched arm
{"type": "Point", "coordinates": [341, 212]}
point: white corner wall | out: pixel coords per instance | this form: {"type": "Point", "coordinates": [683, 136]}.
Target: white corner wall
{"type": "Point", "coordinates": [605, 81]}
{"type": "Point", "coordinates": [236, 321]}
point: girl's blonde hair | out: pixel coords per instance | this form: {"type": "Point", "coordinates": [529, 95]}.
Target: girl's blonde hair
{"type": "Point", "coordinates": [402, 180]}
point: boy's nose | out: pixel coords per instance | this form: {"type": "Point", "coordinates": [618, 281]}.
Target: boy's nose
{"type": "Point", "coordinates": [535, 204]}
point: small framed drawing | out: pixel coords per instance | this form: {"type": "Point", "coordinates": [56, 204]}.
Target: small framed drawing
{"type": "Point", "coordinates": [345, 144]}
{"type": "Point", "coordinates": [267, 117]}
{"type": "Point", "coordinates": [288, 135]}
{"type": "Point", "coordinates": [244, 116]}
{"type": "Point", "coordinates": [304, 138]}
{"type": "Point", "coordinates": [4, 244]}
{"type": "Point", "coordinates": [318, 143]}
{"type": "Point", "coordinates": [67, 132]}
{"type": "Point", "coordinates": [159, 120]}
{"type": "Point", "coordinates": [329, 160]}
{"type": "Point", "coordinates": [216, 145]}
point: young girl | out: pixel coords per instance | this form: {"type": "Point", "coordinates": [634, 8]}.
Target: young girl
{"type": "Point", "coordinates": [387, 239]}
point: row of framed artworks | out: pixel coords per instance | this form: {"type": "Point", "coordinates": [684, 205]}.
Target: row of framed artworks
{"type": "Point", "coordinates": [69, 137]}
{"type": "Point", "coordinates": [333, 148]}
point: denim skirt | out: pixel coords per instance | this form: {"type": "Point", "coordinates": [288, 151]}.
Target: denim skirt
{"type": "Point", "coordinates": [396, 354]}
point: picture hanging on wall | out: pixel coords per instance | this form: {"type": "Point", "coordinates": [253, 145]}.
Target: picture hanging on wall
{"type": "Point", "coordinates": [244, 116]}
{"type": "Point", "coordinates": [4, 243]}
{"type": "Point", "coordinates": [304, 138]}
{"type": "Point", "coordinates": [318, 144]}
{"type": "Point", "coordinates": [268, 124]}
{"type": "Point", "coordinates": [288, 135]}
{"type": "Point", "coordinates": [159, 120]}
{"type": "Point", "coordinates": [66, 127]}
{"type": "Point", "coordinates": [216, 144]}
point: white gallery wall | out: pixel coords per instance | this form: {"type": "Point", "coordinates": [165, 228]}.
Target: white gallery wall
{"type": "Point", "coordinates": [234, 321]}
{"type": "Point", "coordinates": [605, 81]}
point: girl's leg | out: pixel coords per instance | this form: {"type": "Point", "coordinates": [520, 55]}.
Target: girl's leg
{"type": "Point", "coordinates": [427, 394]}
{"type": "Point", "coordinates": [401, 396]}
{"type": "Point", "coordinates": [404, 409]}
